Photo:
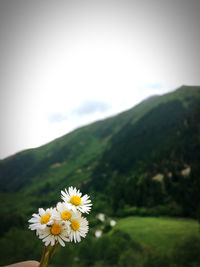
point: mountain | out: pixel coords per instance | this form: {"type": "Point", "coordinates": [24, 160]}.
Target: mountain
{"type": "Point", "coordinates": [144, 161]}
{"type": "Point", "coordinates": [120, 156]}
{"type": "Point", "coordinates": [154, 160]}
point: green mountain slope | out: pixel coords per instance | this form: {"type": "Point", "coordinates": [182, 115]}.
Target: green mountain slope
{"type": "Point", "coordinates": [144, 161]}
{"type": "Point", "coordinates": [155, 160]}
{"type": "Point", "coordinates": [126, 143]}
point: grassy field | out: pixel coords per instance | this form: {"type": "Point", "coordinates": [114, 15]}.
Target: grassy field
{"type": "Point", "coordinates": [158, 233]}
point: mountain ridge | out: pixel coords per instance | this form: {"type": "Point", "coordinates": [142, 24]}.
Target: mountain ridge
{"type": "Point", "coordinates": [87, 156]}
{"type": "Point", "coordinates": [182, 88]}
{"type": "Point", "coordinates": [101, 130]}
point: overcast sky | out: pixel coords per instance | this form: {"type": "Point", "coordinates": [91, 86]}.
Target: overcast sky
{"type": "Point", "coordinates": [64, 64]}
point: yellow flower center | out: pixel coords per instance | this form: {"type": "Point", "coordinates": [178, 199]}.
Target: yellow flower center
{"type": "Point", "coordinates": [45, 219]}
{"type": "Point", "coordinates": [55, 229]}
{"type": "Point", "coordinates": [66, 215]}
{"type": "Point", "coordinates": [75, 200]}
{"type": "Point", "coordinates": [75, 225]}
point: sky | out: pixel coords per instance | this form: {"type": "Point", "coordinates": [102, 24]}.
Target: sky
{"type": "Point", "coordinates": [65, 64]}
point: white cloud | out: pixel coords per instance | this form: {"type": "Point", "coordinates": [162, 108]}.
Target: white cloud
{"type": "Point", "coordinates": [91, 107]}
{"type": "Point", "coordinates": [57, 117]}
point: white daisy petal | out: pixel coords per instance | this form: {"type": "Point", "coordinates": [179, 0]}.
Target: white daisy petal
{"type": "Point", "coordinates": [64, 238]}
{"type": "Point", "coordinates": [64, 212]}
{"type": "Point", "coordinates": [47, 243]}
{"type": "Point", "coordinates": [42, 219]}
{"type": "Point", "coordinates": [78, 227]}
{"type": "Point", "coordinates": [36, 215]}
{"type": "Point", "coordinates": [76, 201]}
{"type": "Point", "coordinates": [78, 238]}
{"type": "Point", "coordinates": [53, 233]}
{"type": "Point", "coordinates": [33, 220]}
{"type": "Point", "coordinates": [61, 242]}
{"type": "Point", "coordinates": [52, 242]}
{"type": "Point", "coordinates": [41, 212]}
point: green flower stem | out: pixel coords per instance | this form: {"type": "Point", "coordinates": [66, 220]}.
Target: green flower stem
{"type": "Point", "coordinates": [43, 256]}
{"type": "Point", "coordinates": [52, 250]}
{"type": "Point", "coordinates": [47, 255]}
{"type": "Point", "coordinates": [46, 260]}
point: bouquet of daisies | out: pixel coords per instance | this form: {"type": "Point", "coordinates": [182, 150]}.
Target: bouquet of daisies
{"type": "Point", "coordinates": [61, 224]}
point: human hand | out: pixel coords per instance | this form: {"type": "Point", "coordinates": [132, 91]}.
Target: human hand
{"type": "Point", "coordinates": [25, 264]}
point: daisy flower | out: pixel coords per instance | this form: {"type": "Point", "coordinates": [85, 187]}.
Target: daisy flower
{"type": "Point", "coordinates": [78, 227]}
{"type": "Point", "coordinates": [42, 219]}
{"type": "Point", "coordinates": [63, 211]}
{"type": "Point", "coordinates": [57, 232]}
{"type": "Point", "coordinates": [76, 201]}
